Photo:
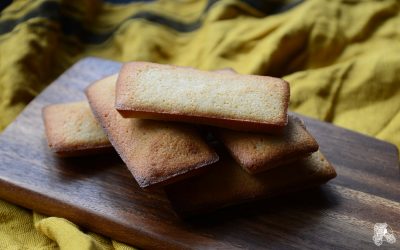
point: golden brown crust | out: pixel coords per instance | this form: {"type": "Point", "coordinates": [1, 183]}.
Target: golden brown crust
{"type": "Point", "coordinates": [257, 103]}
{"type": "Point", "coordinates": [72, 130]}
{"type": "Point", "coordinates": [227, 184]}
{"type": "Point", "coordinates": [157, 153]}
{"type": "Point", "coordinates": [259, 152]}
{"type": "Point", "coordinates": [239, 125]}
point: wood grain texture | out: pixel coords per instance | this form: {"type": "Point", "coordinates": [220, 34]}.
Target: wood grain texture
{"type": "Point", "coordinates": [100, 194]}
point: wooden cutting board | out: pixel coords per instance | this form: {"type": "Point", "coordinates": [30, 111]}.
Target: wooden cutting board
{"type": "Point", "coordinates": [98, 193]}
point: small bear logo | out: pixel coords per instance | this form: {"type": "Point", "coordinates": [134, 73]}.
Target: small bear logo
{"type": "Point", "coordinates": [383, 232]}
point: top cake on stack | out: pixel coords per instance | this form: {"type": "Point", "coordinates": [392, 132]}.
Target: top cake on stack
{"type": "Point", "coordinates": [166, 92]}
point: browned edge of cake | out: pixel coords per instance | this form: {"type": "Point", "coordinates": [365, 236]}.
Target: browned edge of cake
{"type": "Point", "coordinates": [240, 125]}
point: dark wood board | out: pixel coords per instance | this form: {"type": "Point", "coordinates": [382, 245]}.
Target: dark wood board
{"type": "Point", "coordinates": [99, 194]}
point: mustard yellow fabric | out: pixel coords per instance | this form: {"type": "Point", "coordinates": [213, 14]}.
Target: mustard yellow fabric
{"type": "Point", "coordinates": [342, 59]}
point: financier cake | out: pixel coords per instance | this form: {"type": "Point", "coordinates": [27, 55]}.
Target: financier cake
{"type": "Point", "coordinates": [257, 152]}
{"type": "Point", "coordinates": [234, 101]}
{"type": "Point", "coordinates": [72, 130]}
{"type": "Point", "coordinates": [228, 184]}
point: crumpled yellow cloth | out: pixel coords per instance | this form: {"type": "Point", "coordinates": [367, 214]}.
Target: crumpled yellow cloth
{"type": "Point", "coordinates": [22, 229]}
{"type": "Point", "coordinates": [340, 57]}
